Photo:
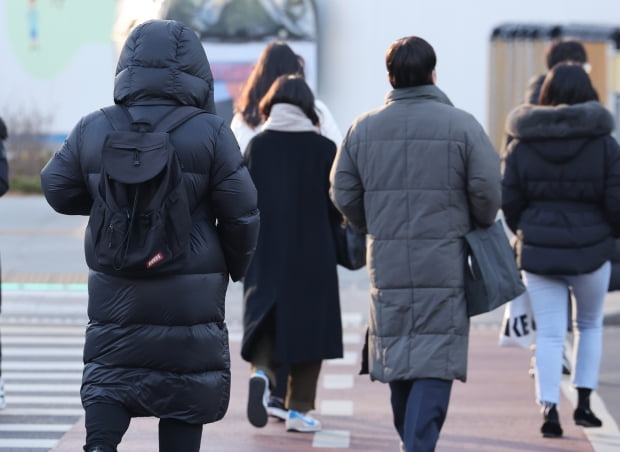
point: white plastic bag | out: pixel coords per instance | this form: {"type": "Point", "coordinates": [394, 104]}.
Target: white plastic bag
{"type": "Point", "coordinates": [518, 327]}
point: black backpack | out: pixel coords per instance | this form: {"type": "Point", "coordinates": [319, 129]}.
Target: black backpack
{"type": "Point", "coordinates": [140, 221]}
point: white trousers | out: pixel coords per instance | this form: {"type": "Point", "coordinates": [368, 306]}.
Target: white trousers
{"type": "Point", "coordinates": [549, 295]}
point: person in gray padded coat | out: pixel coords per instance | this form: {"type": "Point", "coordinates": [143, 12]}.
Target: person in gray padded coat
{"type": "Point", "coordinates": [417, 174]}
{"type": "Point", "coordinates": [158, 346]}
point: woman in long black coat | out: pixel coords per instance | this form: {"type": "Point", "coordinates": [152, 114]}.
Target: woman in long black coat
{"type": "Point", "coordinates": [292, 307]}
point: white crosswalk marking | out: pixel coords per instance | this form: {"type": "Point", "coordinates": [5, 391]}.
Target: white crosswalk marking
{"type": "Point", "coordinates": [41, 351]}
{"type": "Point", "coordinates": [41, 387]}
{"type": "Point", "coordinates": [24, 376]}
{"type": "Point", "coordinates": [10, 444]}
{"type": "Point", "coordinates": [44, 400]}
{"type": "Point", "coordinates": [29, 340]}
{"type": "Point", "coordinates": [42, 341]}
{"type": "Point", "coordinates": [52, 365]}
{"type": "Point", "coordinates": [35, 427]}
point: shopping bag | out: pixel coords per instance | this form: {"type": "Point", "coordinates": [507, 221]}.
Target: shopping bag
{"type": "Point", "coordinates": [518, 327]}
{"type": "Point", "coordinates": [492, 277]}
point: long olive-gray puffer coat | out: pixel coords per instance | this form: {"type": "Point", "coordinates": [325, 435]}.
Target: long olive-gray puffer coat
{"type": "Point", "coordinates": [159, 345]}
{"type": "Point", "coordinates": [414, 173]}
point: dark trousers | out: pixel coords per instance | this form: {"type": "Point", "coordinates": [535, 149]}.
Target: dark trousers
{"type": "Point", "coordinates": [302, 377]}
{"type": "Point", "coordinates": [296, 383]}
{"type": "Point", "coordinates": [106, 425]}
{"type": "Point", "coordinates": [419, 408]}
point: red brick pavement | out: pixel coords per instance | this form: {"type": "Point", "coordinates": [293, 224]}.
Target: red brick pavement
{"type": "Point", "coordinates": [493, 411]}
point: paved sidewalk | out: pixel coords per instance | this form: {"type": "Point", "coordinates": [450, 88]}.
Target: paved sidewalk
{"type": "Point", "coordinates": [493, 411]}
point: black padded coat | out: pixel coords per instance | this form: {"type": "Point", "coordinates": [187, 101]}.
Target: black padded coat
{"type": "Point", "coordinates": [159, 346]}
{"type": "Point", "coordinates": [561, 187]}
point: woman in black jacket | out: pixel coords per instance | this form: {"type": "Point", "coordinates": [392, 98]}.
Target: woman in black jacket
{"type": "Point", "coordinates": [158, 345]}
{"type": "Point", "coordinates": [561, 197]}
{"type": "Point", "coordinates": [292, 306]}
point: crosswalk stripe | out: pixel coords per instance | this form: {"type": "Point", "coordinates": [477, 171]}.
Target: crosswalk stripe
{"type": "Point", "coordinates": [351, 338]}
{"type": "Point", "coordinates": [336, 408]}
{"type": "Point", "coordinates": [19, 443]}
{"type": "Point", "coordinates": [41, 351]}
{"type": "Point", "coordinates": [39, 387]}
{"type": "Point", "coordinates": [41, 330]}
{"type": "Point", "coordinates": [40, 411]}
{"type": "Point", "coordinates": [352, 319]}
{"type": "Point", "coordinates": [35, 427]}
{"type": "Point", "coordinates": [41, 365]}
{"type": "Point", "coordinates": [336, 439]}
{"type": "Point", "coordinates": [337, 381]}
{"type": "Point", "coordinates": [41, 309]}
{"type": "Point", "coordinates": [31, 290]}
{"type": "Point", "coordinates": [28, 340]}
{"type": "Point", "coordinates": [43, 400]}
{"type": "Point", "coordinates": [21, 376]}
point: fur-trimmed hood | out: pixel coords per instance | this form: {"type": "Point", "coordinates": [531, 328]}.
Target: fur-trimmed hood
{"type": "Point", "coordinates": [573, 125]}
{"type": "Point", "coordinates": [532, 122]}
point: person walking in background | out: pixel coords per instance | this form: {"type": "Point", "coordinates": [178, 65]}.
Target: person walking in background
{"type": "Point", "coordinates": [291, 299]}
{"type": "Point", "coordinates": [561, 198]}
{"type": "Point", "coordinates": [158, 345]}
{"type": "Point", "coordinates": [417, 174]}
{"type": "Point", "coordinates": [559, 51]}
{"type": "Point", "coordinates": [4, 187]}
{"type": "Point", "coordinates": [276, 59]}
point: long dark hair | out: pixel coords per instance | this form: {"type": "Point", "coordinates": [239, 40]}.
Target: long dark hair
{"type": "Point", "coordinates": [290, 89]}
{"type": "Point", "coordinates": [275, 60]}
{"type": "Point", "coordinates": [568, 84]}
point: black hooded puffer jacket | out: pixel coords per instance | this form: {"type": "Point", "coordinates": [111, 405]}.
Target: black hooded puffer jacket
{"type": "Point", "coordinates": [561, 187]}
{"type": "Point", "coordinates": [159, 346]}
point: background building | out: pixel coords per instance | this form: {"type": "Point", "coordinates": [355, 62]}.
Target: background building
{"type": "Point", "coordinates": [58, 56]}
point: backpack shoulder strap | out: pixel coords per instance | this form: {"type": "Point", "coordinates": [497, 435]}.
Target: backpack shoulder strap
{"type": "Point", "coordinates": [176, 117]}
{"type": "Point", "coordinates": [119, 116]}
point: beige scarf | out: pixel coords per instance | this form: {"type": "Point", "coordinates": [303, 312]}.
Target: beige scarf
{"type": "Point", "coordinates": [288, 118]}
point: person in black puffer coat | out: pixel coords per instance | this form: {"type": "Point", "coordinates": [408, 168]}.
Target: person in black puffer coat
{"type": "Point", "coordinates": [158, 346]}
{"type": "Point", "coordinates": [561, 198]}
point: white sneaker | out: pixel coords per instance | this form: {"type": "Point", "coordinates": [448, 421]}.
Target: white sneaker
{"type": "Point", "coordinates": [258, 397]}
{"type": "Point", "coordinates": [2, 397]}
{"type": "Point", "coordinates": [300, 422]}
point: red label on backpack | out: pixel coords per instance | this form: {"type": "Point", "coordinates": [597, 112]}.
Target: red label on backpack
{"type": "Point", "coordinates": [155, 260]}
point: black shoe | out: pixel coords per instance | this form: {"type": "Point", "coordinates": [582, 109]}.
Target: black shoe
{"type": "Point", "coordinates": [276, 408]}
{"type": "Point", "coordinates": [586, 418]}
{"type": "Point", "coordinates": [551, 428]}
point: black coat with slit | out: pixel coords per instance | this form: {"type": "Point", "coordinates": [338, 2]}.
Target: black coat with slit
{"type": "Point", "coordinates": [293, 272]}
